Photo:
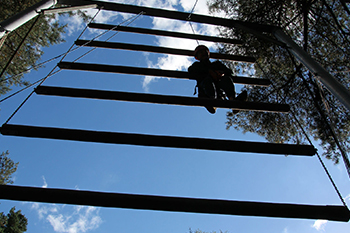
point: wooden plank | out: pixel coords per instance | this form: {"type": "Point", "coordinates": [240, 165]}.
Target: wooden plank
{"type": "Point", "coordinates": [154, 49]}
{"type": "Point", "coordinates": [160, 99]}
{"type": "Point", "coordinates": [176, 15]}
{"type": "Point", "coordinates": [151, 72]}
{"type": "Point", "coordinates": [156, 140]}
{"type": "Point", "coordinates": [164, 33]}
{"type": "Point", "coordinates": [173, 204]}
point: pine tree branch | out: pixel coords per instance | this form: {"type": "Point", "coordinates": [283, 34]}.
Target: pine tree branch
{"type": "Point", "coordinates": [346, 8]}
{"type": "Point", "coordinates": [335, 18]}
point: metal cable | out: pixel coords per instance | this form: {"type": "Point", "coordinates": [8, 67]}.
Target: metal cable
{"type": "Point", "coordinates": [50, 73]}
{"type": "Point", "coordinates": [54, 58]}
{"type": "Point", "coordinates": [19, 46]}
{"type": "Point", "coordinates": [134, 18]}
{"type": "Point", "coordinates": [23, 89]}
{"type": "Point", "coordinates": [309, 140]}
{"type": "Point", "coordinates": [34, 67]}
{"type": "Point", "coordinates": [340, 144]}
{"type": "Point", "coordinates": [189, 18]}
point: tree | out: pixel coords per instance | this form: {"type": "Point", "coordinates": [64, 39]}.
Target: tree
{"type": "Point", "coordinates": [14, 222]}
{"type": "Point", "coordinates": [7, 168]}
{"type": "Point", "coordinates": [321, 27]}
{"type": "Point", "coordinates": [199, 231]}
{"type": "Point", "coordinates": [46, 31]}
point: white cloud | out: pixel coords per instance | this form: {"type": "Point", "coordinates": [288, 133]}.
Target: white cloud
{"type": "Point", "coordinates": [43, 210]}
{"type": "Point", "coordinates": [166, 62]}
{"type": "Point", "coordinates": [82, 220]}
{"type": "Point", "coordinates": [77, 219]}
{"type": "Point", "coordinates": [146, 81]}
{"type": "Point", "coordinates": [320, 224]}
{"type": "Point", "coordinates": [347, 197]}
{"type": "Point", "coordinates": [171, 62]}
{"type": "Point", "coordinates": [45, 183]}
{"type": "Point", "coordinates": [201, 6]}
{"type": "Point", "coordinates": [285, 230]}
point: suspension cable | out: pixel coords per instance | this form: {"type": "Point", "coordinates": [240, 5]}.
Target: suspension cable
{"type": "Point", "coordinates": [50, 73]}
{"type": "Point", "coordinates": [58, 56]}
{"type": "Point", "coordinates": [19, 46]}
{"type": "Point", "coordinates": [33, 67]}
{"type": "Point", "coordinates": [189, 18]}
{"type": "Point", "coordinates": [78, 47]}
{"type": "Point", "coordinates": [310, 142]}
{"type": "Point", "coordinates": [332, 128]}
{"type": "Point", "coordinates": [131, 21]}
{"type": "Point", "coordinates": [65, 54]}
{"type": "Point", "coordinates": [23, 89]}
{"type": "Point", "coordinates": [329, 124]}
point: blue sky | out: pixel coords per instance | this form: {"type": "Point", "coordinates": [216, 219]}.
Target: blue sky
{"type": "Point", "coordinates": [150, 170]}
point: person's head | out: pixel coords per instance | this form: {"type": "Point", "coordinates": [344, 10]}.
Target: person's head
{"type": "Point", "coordinates": [201, 52]}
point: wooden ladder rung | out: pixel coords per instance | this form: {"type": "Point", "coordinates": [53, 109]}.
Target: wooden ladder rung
{"type": "Point", "coordinates": [156, 140]}
{"type": "Point", "coordinates": [164, 33]}
{"type": "Point", "coordinates": [150, 72]}
{"type": "Point", "coordinates": [173, 204]}
{"type": "Point", "coordinates": [155, 49]}
{"type": "Point", "coordinates": [159, 99]}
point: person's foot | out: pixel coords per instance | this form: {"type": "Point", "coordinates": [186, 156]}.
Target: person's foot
{"type": "Point", "coordinates": [211, 109]}
{"type": "Point", "coordinates": [243, 96]}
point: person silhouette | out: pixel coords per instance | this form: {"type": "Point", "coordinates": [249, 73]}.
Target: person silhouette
{"type": "Point", "coordinates": [214, 79]}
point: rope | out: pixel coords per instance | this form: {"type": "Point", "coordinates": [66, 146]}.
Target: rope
{"type": "Point", "coordinates": [50, 73]}
{"type": "Point", "coordinates": [72, 50]}
{"type": "Point", "coordinates": [310, 142]}
{"type": "Point", "coordinates": [58, 56]}
{"type": "Point", "coordinates": [3, 38]}
{"type": "Point", "coordinates": [134, 18]}
{"type": "Point", "coordinates": [20, 91]}
{"type": "Point", "coordinates": [321, 161]}
{"type": "Point", "coordinates": [19, 46]}
{"type": "Point", "coordinates": [27, 87]}
{"type": "Point", "coordinates": [189, 19]}
{"type": "Point", "coordinates": [65, 54]}
{"type": "Point", "coordinates": [329, 124]}
{"type": "Point", "coordinates": [33, 67]}
{"type": "Point", "coordinates": [332, 127]}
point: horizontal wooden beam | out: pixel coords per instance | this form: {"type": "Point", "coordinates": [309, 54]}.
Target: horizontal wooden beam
{"type": "Point", "coordinates": [156, 140]}
{"type": "Point", "coordinates": [151, 72]}
{"type": "Point", "coordinates": [164, 33]}
{"type": "Point", "coordinates": [173, 204]}
{"type": "Point", "coordinates": [159, 99]}
{"type": "Point", "coordinates": [154, 49]}
{"type": "Point", "coordinates": [176, 15]}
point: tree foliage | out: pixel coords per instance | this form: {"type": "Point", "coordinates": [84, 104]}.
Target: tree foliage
{"type": "Point", "coordinates": [321, 27]}
{"type": "Point", "coordinates": [14, 222]}
{"type": "Point", "coordinates": [7, 168]}
{"type": "Point", "coordinates": [200, 231]}
{"type": "Point", "coordinates": [46, 31]}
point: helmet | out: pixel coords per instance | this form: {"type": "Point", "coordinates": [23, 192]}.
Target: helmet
{"type": "Point", "coordinates": [199, 48]}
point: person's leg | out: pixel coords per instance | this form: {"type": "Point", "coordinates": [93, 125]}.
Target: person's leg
{"type": "Point", "coordinates": [207, 89]}
{"type": "Point", "coordinates": [228, 86]}
{"type": "Point", "coordinates": [226, 83]}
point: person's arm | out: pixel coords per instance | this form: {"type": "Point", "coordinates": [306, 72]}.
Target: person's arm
{"type": "Point", "coordinates": [217, 65]}
{"type": "Point", "coordinates": [197, 71]}
{"type": "Point", "coordinates": [216, 74]}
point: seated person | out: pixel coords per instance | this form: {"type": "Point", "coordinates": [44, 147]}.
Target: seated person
{"type": "Point", "coordinates": [213, 79]}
